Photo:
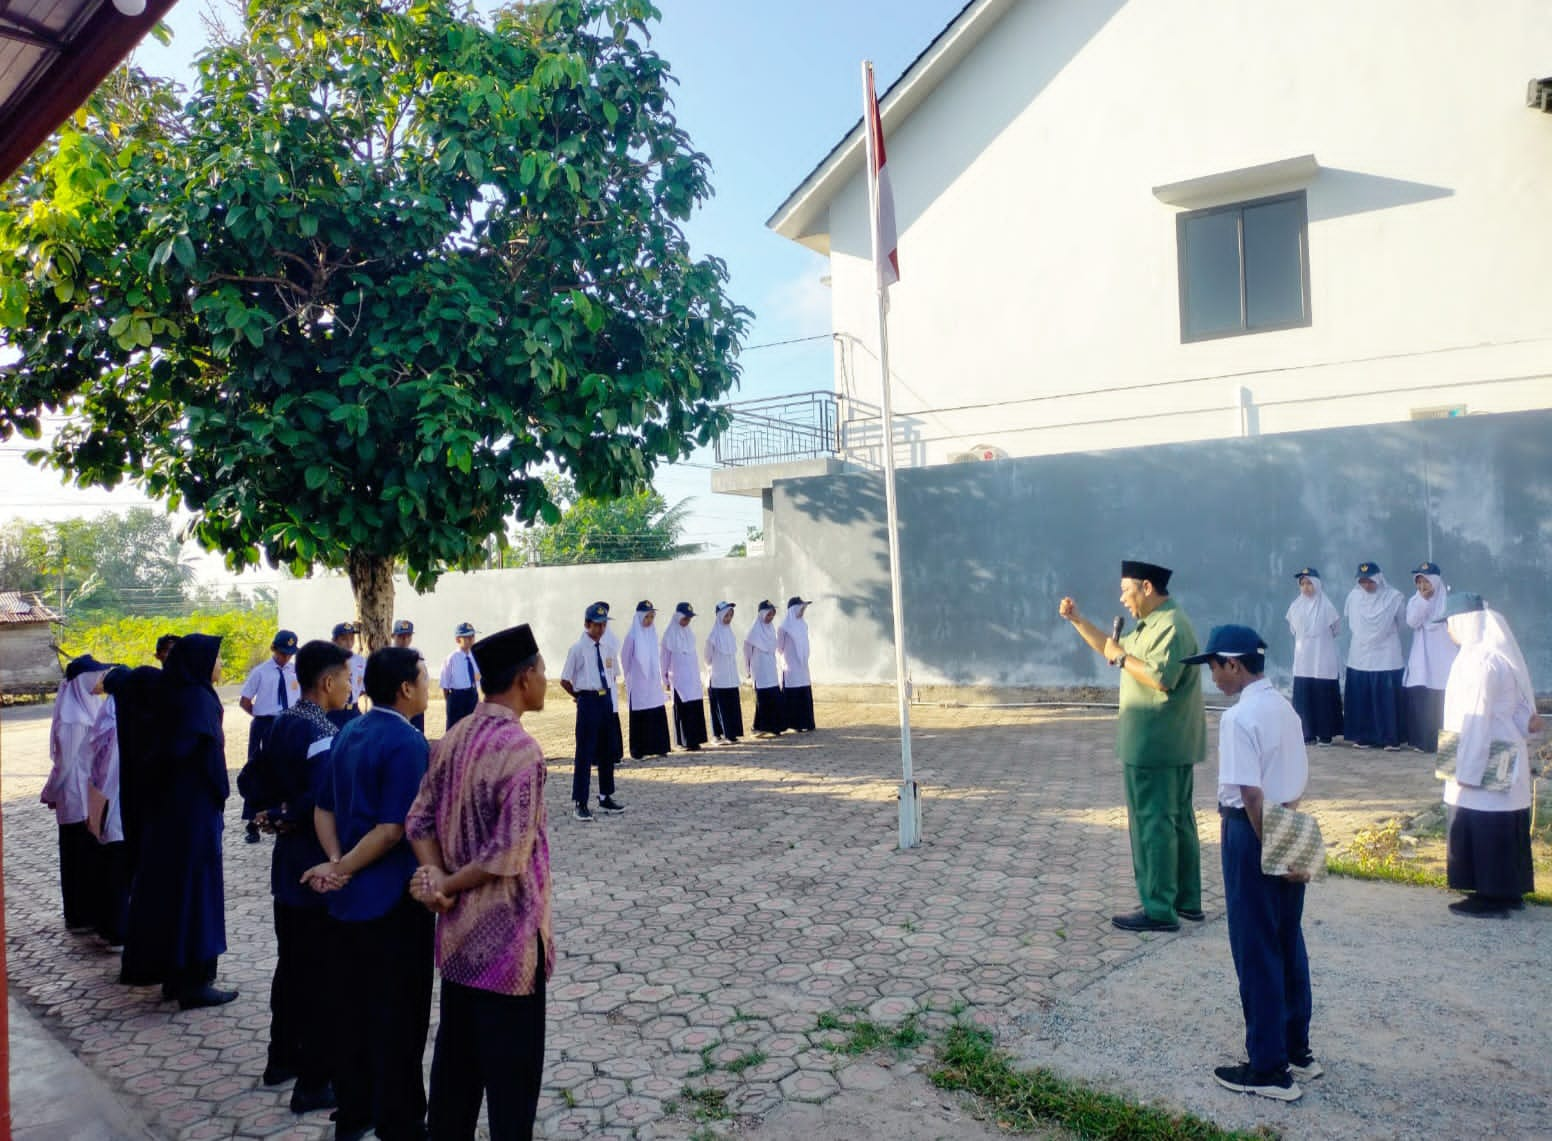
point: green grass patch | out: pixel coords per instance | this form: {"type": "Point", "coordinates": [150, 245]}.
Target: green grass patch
{"type": "Point", "coordinates": [863, 1036]}
{"type": "Point", "coordinates": [706, 1104]}
{"type": "Point", "coordinates": [1411, 850]}
{"type": "Point", "coordinates": [1032, 1101]}
{"type": "Point", "coordinates": [746, 1061]}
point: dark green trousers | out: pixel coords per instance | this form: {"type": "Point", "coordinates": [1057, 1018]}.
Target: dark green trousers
{"type": "Point", "coordinates": [1166, 855]}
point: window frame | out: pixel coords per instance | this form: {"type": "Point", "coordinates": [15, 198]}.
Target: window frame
{"type": "Point", "coordinates": [1183, 219]}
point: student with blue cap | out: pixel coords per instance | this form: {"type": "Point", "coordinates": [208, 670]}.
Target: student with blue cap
{"type": "Point", "coordinates": [760, 667]}
{"type": "Point", "coordinates": [721, 654]}
{"type": "Point", "coordinates": [1261, 761]}
{"type": "Point", "coordinates": [797, 684]}
{"type": "Point", "coordinates": [404, 638]}
{"type": "Point", "coordinates": [591, 676]}
{"type": "Point", "coordinates": [682, 676]}
{"type": "Point", "coordinates": [1428, 663]}
{"type": "Point", "coordinates": [268, 691]}
{"type": "Point", "coordinates": [1375, 617]}
{"type": "Point", "coordinates": [641, 659]}
{"type": "Point", "coordinates": [344, 636]}
{"type": "Point", "coordinates": [460, 676]}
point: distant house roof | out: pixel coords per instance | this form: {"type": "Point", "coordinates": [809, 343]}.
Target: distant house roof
{"type": "Point", "coordinates": [53, 54]}
{"type": "Point", "coordinates": [802, 217]}
{"type": "Point", "coordinates": [17, 608]}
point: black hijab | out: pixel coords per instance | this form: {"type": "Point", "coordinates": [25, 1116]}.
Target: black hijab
{"type": "Point", "coordinates": [191, 700]}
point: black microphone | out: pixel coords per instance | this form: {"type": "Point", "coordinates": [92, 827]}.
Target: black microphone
{"type": "Point", "coordinates": [1115, 628]}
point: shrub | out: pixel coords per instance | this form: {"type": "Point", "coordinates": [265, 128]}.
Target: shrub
{"type": "Point", "coordinates": [245, 637]}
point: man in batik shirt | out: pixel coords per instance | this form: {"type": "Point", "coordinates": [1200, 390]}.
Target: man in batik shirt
{"type": "Point", "coordinates": [478, 831]}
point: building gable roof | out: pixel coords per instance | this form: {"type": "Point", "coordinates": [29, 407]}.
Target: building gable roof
{"type": "Point", "coordinates": [803, 216]}
{"type": "Point", "coordinates": [17, 608]}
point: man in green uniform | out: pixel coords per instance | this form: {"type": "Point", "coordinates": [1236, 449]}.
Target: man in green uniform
{"type": "Point", "coordinates": [1161, 733]}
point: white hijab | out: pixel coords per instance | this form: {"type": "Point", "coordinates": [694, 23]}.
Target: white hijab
{"type": "Point", "coordinates": [762, 635]}
{"type": "Point", "coordinates": [1375, 609]}
{"type": "Point", "coordinates": [641, 645]}
{"type": "Point", "coordinates": [1312, 615]}
{"type": "Point", "coordinates": [1481, 633]}
{"type": "Point", "coordinates": [1468, 700]}
{"type": "Point", "coordinates": [796, 629]}
{"type": "Point", "coordinates": [1439, 601]}
{"type": "Point", "coordinates": [679, 639]}
{"type": "Point", "coordinates": [722, 640]}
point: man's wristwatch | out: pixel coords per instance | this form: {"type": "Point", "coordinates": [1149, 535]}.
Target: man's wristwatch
{"type": "Point", "coordinates": [1120, 663]}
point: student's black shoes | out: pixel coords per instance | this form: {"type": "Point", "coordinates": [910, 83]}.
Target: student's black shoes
{"type": "Point", "coordinates": [1193, 916]}
{"type": "Point", "coordinates": [1279, 1086]}
{"type": "Point", "coordinates": [610, 805]}
{"type": "Point", "coordinates": [1305, 1068]}
{"type": "Point", "coordinates": [203, 996]}
{"type": "Point", "coordinates": [580, 811]}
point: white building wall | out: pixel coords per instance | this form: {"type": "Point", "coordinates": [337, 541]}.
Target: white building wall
{"type": "Point", "coordinates": [1037, 263]}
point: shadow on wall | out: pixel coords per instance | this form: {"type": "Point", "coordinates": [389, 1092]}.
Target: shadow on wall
{"type": "Point", "coordinates": [989, 549]}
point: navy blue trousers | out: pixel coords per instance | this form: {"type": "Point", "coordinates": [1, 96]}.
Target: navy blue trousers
{"type": "Point", "coordinates": [598, 743]}
{"type": "Point", "coordinates": [1268, 948]}
{"type": "Point", "coordinates": [460, 703]}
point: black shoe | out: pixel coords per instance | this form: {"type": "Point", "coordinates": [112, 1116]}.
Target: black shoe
{"type": "Point", "coordinates": [610, 805]}
{"type": "Point", "coordinates": [207, 995]}
{"type": "Point", "coordinates": [580, 811]}
{"type": "Point", "coordinates": [1480, 907]}
{"type": "Point", "coordinates": [312, 1100]}
{"type": "Point", "coordinates": [277, 1075]}
{"type": "Point", "coordinates": [1139, 921]}
{"type": "Point", "coordinates": [1193, 916]}
{"type": "Point", "coordinates": [1279, 1086]}
{"type": "Point", "coordinates": [253, 836]}
{"type": "Point", "coordinates": [1304, 1066]}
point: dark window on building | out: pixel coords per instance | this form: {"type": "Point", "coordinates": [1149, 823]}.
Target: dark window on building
{"type": "Point", "coordinates": [1244, 268]}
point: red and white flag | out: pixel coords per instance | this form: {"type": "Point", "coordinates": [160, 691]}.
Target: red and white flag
{"type": "Point", "coordinates": [886, 257]}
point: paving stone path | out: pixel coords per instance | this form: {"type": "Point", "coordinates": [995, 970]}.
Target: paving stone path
{"type": "Point", "coordinates": [746, 892]}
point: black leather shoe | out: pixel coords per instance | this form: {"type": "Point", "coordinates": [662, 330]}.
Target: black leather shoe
{"type": "Point", "coordinates": [1193, 916]}
{"type": "Point", "coordinates": [312, 1100]}
{"type": "Point", "coordinates": [206, 995]}
{"type": "Point", "coordinates": [1139, 921]}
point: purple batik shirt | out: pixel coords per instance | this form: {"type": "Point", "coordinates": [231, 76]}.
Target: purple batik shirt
{"type": "Point", "coordinates": [482, 800]}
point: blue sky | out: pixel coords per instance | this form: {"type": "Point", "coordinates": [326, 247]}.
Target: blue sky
{"type": "Point", "coordinates": [765, 90]}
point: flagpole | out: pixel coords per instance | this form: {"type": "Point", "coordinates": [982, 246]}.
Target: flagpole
{"type": "Point", "coordinates": [910, 805]}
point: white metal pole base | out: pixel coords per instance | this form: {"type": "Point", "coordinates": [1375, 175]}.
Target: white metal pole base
{"type": "Point", "coordinates": [910, 815]}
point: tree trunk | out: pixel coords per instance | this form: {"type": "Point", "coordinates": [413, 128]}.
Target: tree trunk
{"type": "Point", "coordinates": [371, 578]}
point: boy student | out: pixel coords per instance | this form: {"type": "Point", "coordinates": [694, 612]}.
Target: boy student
{"type": "Point", "coordinates": [460, 676]}
{"type": "Point", "coordinates": [344, 636]}
{"type": "Point", "coordinates": [300, 1029]}
{"type": "Point", "coordinates": [269, 690]}
{"type": "Point", "coordinates": [404, 638]}
{"type": "Point", "coordinates": [591, 676]}
{"type": "Point", "coordinates": [383, 959]}
{"type": "Point", "coordinates": [1261, 761]}
{"type": "Point", "coordinates": [478, 829]}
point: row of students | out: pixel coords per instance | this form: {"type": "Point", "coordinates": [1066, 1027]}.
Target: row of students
{"type": "Point", "coordinates": [1391, 700]}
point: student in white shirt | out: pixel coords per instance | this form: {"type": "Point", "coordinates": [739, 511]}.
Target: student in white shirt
{"type": "Point", "coordinates": [797, 687]}
{"type": "Point", "coordinates": [682, 677]}
{"type": "Point", "coordinates": [592, 676]}
{"type": "Point", "coordinates": [460, 676]}
{"type": "Point", "coordinates": [344, 636]}
{"type": "Point", "coordinates": [1317, 664]}
{"type": "Point", "coordinates": [721, 654]}
{"type": "Point", "coordinates": [760, 667]}
{"type": "Point", "coordinates": [1371, 707]}
{"type": "Point", "coordinates": [268, 691]}
{"type": "Point", "coordinates": [1428, 662]}
{"type": "Point", "coordinates": [1261, 761]}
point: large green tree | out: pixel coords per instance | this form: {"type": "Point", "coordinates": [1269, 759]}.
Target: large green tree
{"type": "Point", "coordinates": [639, 527]}
{"type": "Point", "coordinates": [106, 565]}
{"type": "Point", "coordinates": [386, 261]}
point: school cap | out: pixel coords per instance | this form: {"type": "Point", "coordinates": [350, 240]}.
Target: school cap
{"type": "Point", "coordinates": [504, 648]}
{"type": "Point", "coordinates": [598, 612]}
{"type": "Point", "coordinates": [1426, 568]}
{"type": "Point", "coordinates": [1146, 572]}
{"type": "Point", "coordinates": [686, 609]}
{"type": "Point", "coordinates": [1228, 642]}
{"type": "Point", "coordinates": [1368, 570]}
{"type": "Point", "coordinates": [721, 606]}
{"type": "Point", "coordinates": [765, 604]}
{"type": "Point", "coordinates": [1306, 572]}
{"type": "Point", "coordinates": [1462, 602]}
{"type": "Point", "coordinates": [645, 607]}
{"type": "Point", "coordinates": [403, 626]}
{"type": "Point", "coordinates": [85, 664]}
{"type": "Point", "coordinates": [343, 628]}
{"type": "Point", "coordinates": [285, 642]}
{"type": "Point", "coordinates": [464, 630]}
{"type": "Point", "coordinates": [795, 600]}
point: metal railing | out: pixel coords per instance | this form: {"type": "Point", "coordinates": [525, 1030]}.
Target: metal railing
{"type": "Point", "coordinates": [779, 429]}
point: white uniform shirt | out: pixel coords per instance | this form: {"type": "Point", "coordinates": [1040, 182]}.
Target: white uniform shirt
{"type": "Point", "coordinates": [357, 678]}
{"type": "Point", "coordinates": [457, 668]}
{"type": "Point", "coordinates": [792, 644]}
{"type": "Point", "coordinates": [640, 658]}
{"type": "Point", "coordinates": [1261, 745]}
{"type": "Point", "coordinates": [262, 687]}
{"type": "Point", "coordinates": [723, 658]}
{"type": "Point", "coordinates": [581, 668]}
{"type": "Point", "coordinates": [1433, 651]}
{"type": "Point", "coordinates": [680, 667]}
{"type": "Point", "coordinates": [1376, 625]}
{"type": "Point", "coordinates": [1503, 716]}
{"type": "Point", "coordinates": [760, 656]}
{"type": "Point", "coordinates": [1315, 624]}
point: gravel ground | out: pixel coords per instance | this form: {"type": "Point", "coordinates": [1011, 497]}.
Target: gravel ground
{"type": "Point", "coordinates": [1415, 1038]}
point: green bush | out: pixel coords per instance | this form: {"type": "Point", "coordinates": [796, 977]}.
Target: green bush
{"type": "Point", "coordinates": [245, 638]}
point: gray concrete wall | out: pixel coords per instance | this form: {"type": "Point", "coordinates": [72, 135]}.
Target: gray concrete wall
{"type": "Point", "coordinates": [552, 599]}
{"type": "Point", "coordinates": [989, 549]}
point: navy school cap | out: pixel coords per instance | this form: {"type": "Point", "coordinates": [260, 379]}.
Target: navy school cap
{"type": "Point", "coordinates": [464, 630]}
{"type": "Point", "coordinates": [1462, 602]}
{"type": "Point", "coordinates": [798, 600]}
{"type": "Point", "coordinates": [285, 642]}
{"type": "Point", "coordinates": [1368, 570]}
{"type": "Point", "coordinates": [403, 626]}
{"type": "Point", "coordinates": [1306, 572]}
{"type": "Point", "coordinates": [686, 609]}
{"type": "Point", "coordinates": [645, 607]}
{"type": "Point", "coordinates": [343, 628]}
{"type": "Point", "coordinates": [1426, 568]}
{"type": "Point", "coordinates": [598, 612]}
{"type": "Point", "coordinates": [1228, 642]}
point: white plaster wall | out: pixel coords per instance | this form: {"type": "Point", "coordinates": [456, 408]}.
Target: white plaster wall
{"type": "Point", "coordinates": [1036, 262]}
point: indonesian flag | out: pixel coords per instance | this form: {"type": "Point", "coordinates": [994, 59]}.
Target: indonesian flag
{"type": "Point", "coordinates": [886, 257]}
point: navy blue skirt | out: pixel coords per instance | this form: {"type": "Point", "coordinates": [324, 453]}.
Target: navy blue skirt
{"type": "Point", "coordinates": [1371, 707]}
{"type": "Point", "coordinates": [1318, 701]}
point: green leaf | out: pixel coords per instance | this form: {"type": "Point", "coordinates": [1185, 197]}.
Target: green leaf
{"type": "Point", "coordinates": [183, 250]}
{"type": "Point", "coordinates": [315, 477]}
